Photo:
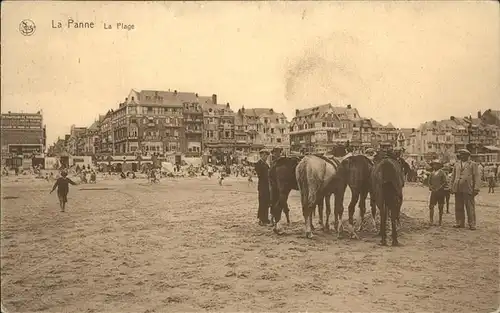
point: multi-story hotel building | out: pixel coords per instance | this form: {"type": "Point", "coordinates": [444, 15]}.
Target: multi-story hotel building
{"type": "Point", "coordinates": [316, 130]}
{"type": "Point", "coordinates": [193, 109]}
{"type": "Point", "coordinates": [219, 128]}
{"type": "Point", "coordinates": [22, 133]}
{"type": "Point", "coordinates": [155, 123]}
{"type": "Point", "coordinates": [259, 128]}
{"type": "Point", "coordinates": [443, 138]}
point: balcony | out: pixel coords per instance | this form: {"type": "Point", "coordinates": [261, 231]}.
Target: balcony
{"type": "Point", "coordinates": [191, 120]}
{"type": "Point", "coordinates": [193, 111]}
{"type": "Point", "coordinates": [314, 129]}
{"type": "Point", "coordinates": [193, 131]}
{"type": "Point", "coordinates": [151, 138]}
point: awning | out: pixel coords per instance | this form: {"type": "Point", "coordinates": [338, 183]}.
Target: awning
{"type": "Point", "coordinates": [492, 148]}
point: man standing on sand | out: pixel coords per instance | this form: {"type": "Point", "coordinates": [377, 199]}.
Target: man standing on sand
{"type": "Point", "coordinates": [62, 184]}
{"type": "Point", "coordinates": [262, 169]}
{"type": "Point", "coordinates": [437, 185]}
{"type": "Point", "coordinates": [465, 182]}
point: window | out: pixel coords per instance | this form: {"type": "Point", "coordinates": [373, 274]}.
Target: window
{"type": "Point", "coordinates": [278, 140]}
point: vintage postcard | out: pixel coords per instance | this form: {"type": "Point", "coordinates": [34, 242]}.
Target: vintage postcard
{"type": "Point", "coordinates": [330, 156]}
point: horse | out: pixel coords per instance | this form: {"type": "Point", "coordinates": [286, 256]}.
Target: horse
{"type": "Point", "coordinates": [387, 190]}
{"type": "Point", "coordinates": [282, 180]}
{"type": "Point", "coordinates": [316, 179]}
{"type": "Point", "coordinates": [356, 171]}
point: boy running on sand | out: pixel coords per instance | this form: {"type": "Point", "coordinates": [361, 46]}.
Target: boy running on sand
{"type": "Point", "coordinates": [62, 184]}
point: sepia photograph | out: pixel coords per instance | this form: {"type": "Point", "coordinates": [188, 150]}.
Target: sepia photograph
{"type": "Point", "coordinates": [250, 156]}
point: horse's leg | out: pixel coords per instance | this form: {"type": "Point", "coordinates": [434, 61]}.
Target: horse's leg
{"type": "Point", "coordinates": [307, 213]}
{"type": "Point", "coordinates": [284, 203]}
{"type": "Point", "coordinates": [326, 226]}
{"type": "Point", "coordinates": [394, 232]}
{"type": "Point", "coordinates": [373, 207]}
{"type": "Point", "coordinates": [320, 211]}
{"type": "Point", "coordinates": [393, 207]}
{"type": "Point", "coordinates": [383, 222]}
{"type": "Point", "coordinates": [339, 210]}
{"type": "Point", "coordinates": [352, 204]}
{"type": "Point", "coordinates": [276, 209]}
{"type": "Point", "coordinates": [362, 208]}
{"type": "Point", "coordinates": [338, 206]}
{"type": "Point", "coordinates": [311, 223]}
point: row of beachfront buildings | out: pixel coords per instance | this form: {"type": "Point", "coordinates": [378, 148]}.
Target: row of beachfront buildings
{"type": "Point", "coordinates": [150, 122]}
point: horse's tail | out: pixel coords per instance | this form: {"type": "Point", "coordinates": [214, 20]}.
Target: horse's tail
{"type": "Point", "coordinates": [302, 182]}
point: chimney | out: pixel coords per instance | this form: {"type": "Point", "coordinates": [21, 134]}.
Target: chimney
{"type": "Point", "coordinates": [478, 114]}
{"type": "Point", "coordinates": [413, 130]}
{"type": "Point", "coordinates": [175, 92]}
{"type": "Point", "coordinates": [214, 99]}
{"type": "Point", "coordinates": [243, 109]}
{"type": "Point", "coordinates": [349, 106]}
{"type": "Point", "coordinates": [452, 118]}
{"type": "Point", "coordinates": [196, 95]}
{"type": "Point", "coordinates": [297, 112]}
{"type": "Point", "coordinates": [227, 105]}
{"type": "Point", "coordinates": [271, 111]}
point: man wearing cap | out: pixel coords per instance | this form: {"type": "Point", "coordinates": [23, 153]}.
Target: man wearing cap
{"type": "Point", "coordinates": [437, 185]}
{"type": "Point", "coordinates": [465, 183]}
{"type": "Point", "coordinates": [275, 155]}
{"type": "Point", "coordinates": [262, 170]}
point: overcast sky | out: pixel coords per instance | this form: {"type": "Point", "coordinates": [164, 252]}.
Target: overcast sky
{"type": "Point", "coordinates": [397, 62]}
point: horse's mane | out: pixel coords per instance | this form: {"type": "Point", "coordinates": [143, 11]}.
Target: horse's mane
{"type": "Point", "coordinates": [285, 160]}
{"type": "Point", "coordinates": [356, 157]}
{"type": "Point", "coordinates": [333, 161]}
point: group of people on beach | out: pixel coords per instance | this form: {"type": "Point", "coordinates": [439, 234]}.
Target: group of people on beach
{"type": "Point", "coordinates": [463, 182]}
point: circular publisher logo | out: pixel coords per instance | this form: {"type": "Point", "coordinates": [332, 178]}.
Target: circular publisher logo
{"type": "Point", "coordinates": [27, 27]}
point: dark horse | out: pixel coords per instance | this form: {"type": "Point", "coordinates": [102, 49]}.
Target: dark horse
{"type": "Point", "coordinates": [355, 171]}
{"type": "Point", "coordinates": [282, 179]}
{"type": "Point", "coordinates": [387, 190]}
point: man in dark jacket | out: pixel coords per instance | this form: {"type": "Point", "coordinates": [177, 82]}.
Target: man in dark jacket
{"type": "Point", "coordinates": [262, 170]}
